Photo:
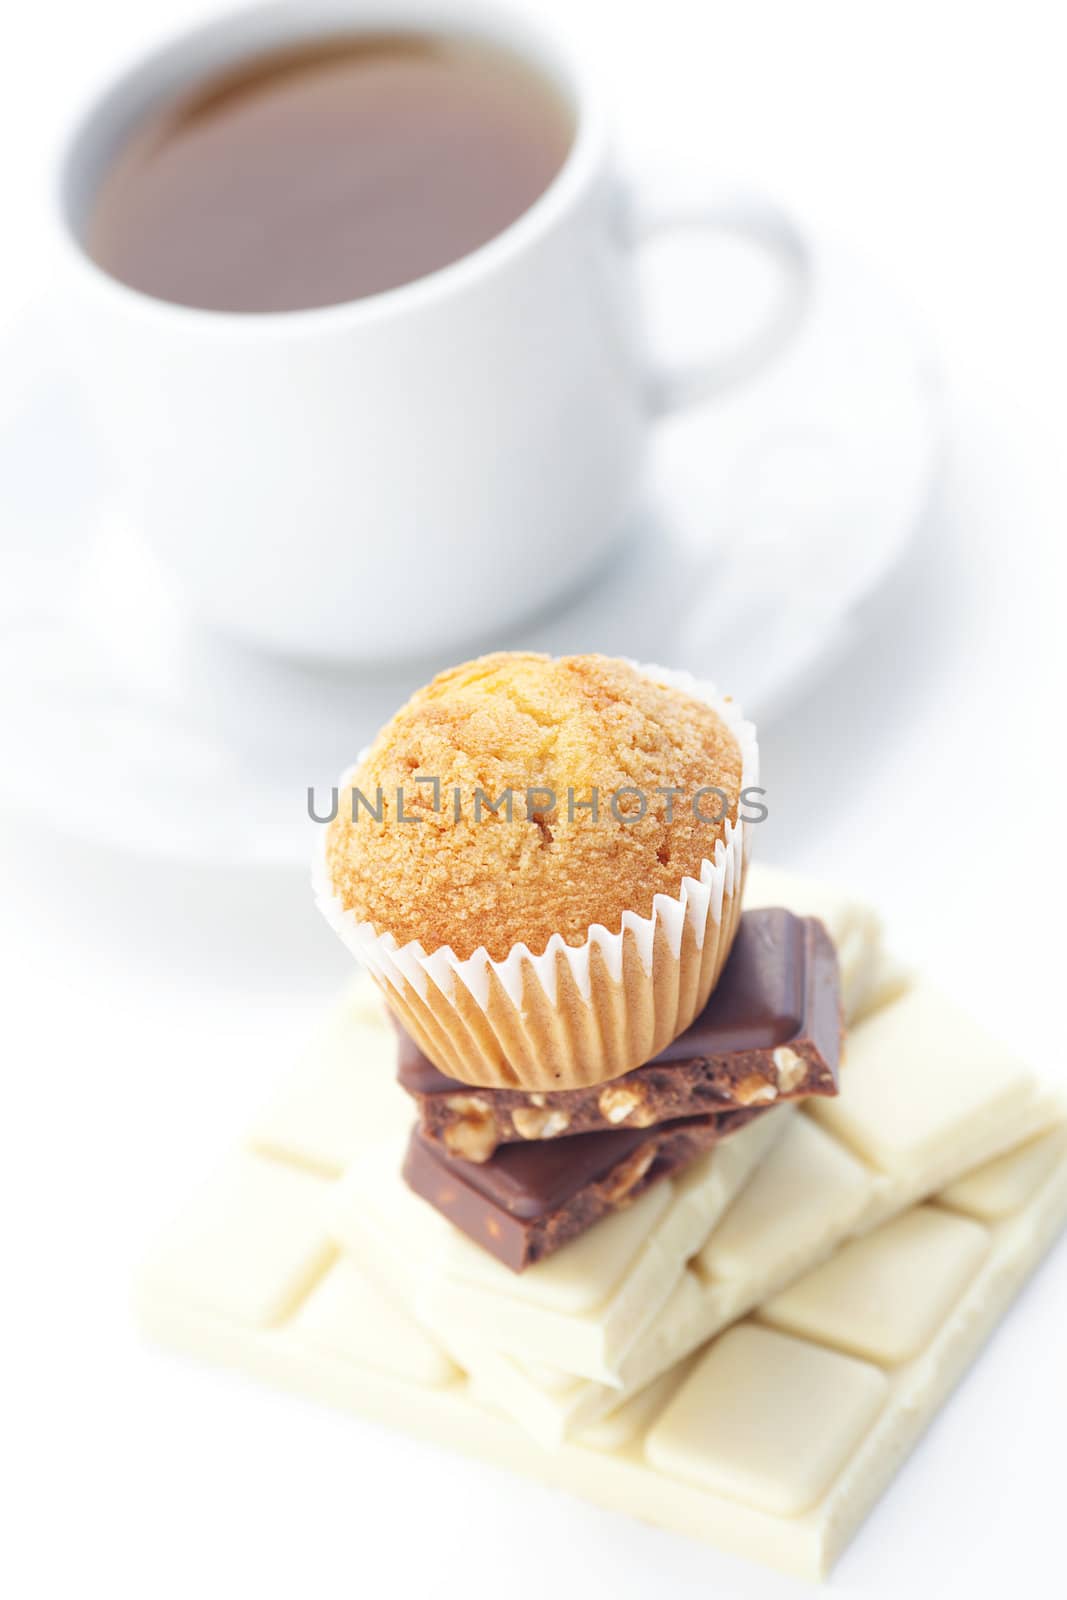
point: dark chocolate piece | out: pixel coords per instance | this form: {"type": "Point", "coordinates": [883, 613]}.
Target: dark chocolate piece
{"type": "Point", "coordinates": [771, 1031]}
{"type": "Point", "coordinates": [531, 1199]}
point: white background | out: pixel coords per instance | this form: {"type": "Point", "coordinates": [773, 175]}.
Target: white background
{"type": "Point", "coordinates": [147, 1010]}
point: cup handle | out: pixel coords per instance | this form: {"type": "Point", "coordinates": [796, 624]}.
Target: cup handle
{"type": "Point", "coordinates": [747, 216]}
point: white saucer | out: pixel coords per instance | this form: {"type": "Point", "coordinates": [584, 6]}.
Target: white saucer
{"type": "Point", "coordinates": [776, 512]}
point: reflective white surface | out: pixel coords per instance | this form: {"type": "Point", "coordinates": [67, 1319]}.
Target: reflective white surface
{"type": "Point", "coordinates": [149, 1006]}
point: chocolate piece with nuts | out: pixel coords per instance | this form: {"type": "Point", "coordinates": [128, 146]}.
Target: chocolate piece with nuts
{"type": "Point", "coordinates": [770, 1032]}
{"type": "Point", "coordinates": [533, 1198]}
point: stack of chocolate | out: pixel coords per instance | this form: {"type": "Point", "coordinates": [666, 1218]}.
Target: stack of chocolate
{"type": "Point", "coordinates": [522, 1173]}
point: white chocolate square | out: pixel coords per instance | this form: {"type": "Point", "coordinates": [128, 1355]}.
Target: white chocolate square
{"type": "Point", "coordinates": [343, 1092]}
{"type": "Point", "coordinates": [881, 1297]}
{"type": "Point", "coordinates": [920, 1077]}
{"type": "Point", "coordinates": [767, 1419]}
{"type": "Point", "coordinates": [251, 1244]}
{"type": "Point", "coordinates": [1004, 1185]}
{"type": "Point", "coordinates": [806, 1192]}
{"type": "Point", "coordinates": [346, 1317]}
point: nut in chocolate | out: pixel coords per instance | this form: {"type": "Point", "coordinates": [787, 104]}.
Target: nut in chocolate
{"type": "Point", "coordinates": [771, 1031]}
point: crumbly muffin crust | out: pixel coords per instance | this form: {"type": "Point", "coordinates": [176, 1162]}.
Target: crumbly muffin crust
{"type": "Point", "coordinates": [520, 721]}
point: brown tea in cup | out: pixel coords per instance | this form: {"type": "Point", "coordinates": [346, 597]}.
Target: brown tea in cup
{"type": "Point", "coordinates": [328, 171]}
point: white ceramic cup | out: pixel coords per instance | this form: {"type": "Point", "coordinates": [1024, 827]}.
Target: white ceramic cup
{"type": "Point", "coordinates": [404, 473]}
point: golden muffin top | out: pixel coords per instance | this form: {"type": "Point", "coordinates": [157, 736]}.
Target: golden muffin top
{"type": "Point", "coordinates": [470, 822]}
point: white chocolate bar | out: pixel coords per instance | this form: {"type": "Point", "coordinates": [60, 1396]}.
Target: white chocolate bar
{"type": "Point", "coordinates": [765, 1444]}
{"type": "Point", "coordinates": [780, 1456]}
{"type": "Point", "coordinates": [581, 1309]}
{"type": "Point", "coordinates": [771, 1441]}
{"type": "Point", "coordinates": [817, 1187]}
{"type": "Point", "coordinates": [575, 1311]}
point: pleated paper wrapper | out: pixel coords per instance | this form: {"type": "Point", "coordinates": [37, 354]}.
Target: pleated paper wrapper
{"type": "Point", "coordinates": [573, 1015]}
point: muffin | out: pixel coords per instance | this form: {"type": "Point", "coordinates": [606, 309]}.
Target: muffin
{"type": "Point", "coordinates": [541, 862]}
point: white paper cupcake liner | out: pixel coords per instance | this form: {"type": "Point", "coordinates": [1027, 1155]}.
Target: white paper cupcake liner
{"type": "Point", "coordinates": [575, 1014]}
